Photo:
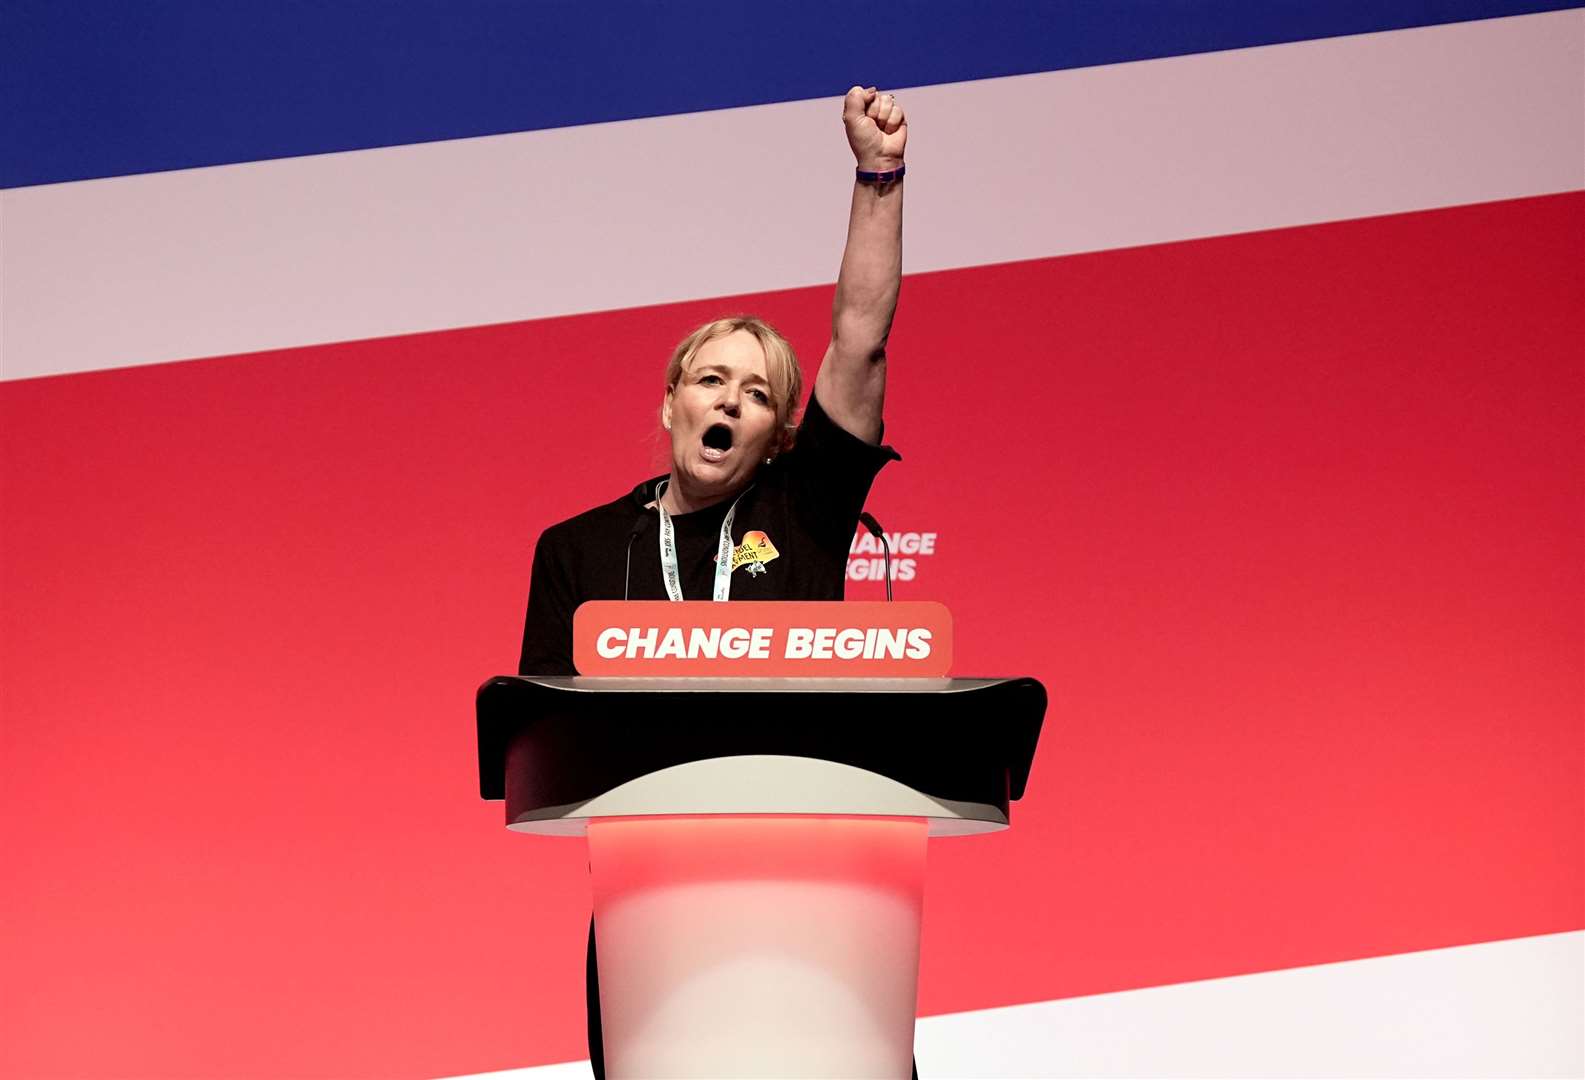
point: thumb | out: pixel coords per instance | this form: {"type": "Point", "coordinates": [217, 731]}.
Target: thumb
{"type": "Point", "coordinates": [856, 104]}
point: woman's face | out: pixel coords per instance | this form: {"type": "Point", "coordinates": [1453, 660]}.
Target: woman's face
{"type": "Point", "coordinates": [721, 418]}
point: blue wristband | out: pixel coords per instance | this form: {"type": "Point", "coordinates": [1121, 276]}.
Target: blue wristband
{"type": "Point", "coordinates": [880, 177]}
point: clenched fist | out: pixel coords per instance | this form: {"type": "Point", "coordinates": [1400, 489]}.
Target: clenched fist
{"type": "Point", "coordinates": [877, 131]}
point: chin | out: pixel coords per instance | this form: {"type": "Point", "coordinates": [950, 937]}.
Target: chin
{"type": "Point", "coordinates": [718, 484]}
{"type": "Point", "coordinates": [713, 483]}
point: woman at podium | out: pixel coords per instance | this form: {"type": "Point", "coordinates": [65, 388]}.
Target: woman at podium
{"type": "Point", "coordinates": [753, 506]}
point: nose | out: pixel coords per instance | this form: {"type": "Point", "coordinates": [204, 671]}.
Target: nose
{"type": "Point", "coordinates": [730, 402]}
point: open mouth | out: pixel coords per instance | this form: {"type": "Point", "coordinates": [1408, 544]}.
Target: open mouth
{"type": "Point", "coordinates": [717, 441]}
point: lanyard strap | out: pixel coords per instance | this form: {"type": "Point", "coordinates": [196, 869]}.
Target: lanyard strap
{"type": "Point", "coordinates": [668, 550]}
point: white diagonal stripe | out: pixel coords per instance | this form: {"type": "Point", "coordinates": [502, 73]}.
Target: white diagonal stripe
{"type": "Point", "coordinates": [1498, 1009]}
{"type": "Point", "coordinates": [239, 258]}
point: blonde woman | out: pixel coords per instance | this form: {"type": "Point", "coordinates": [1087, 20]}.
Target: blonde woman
{"type": "Point", "coordinates": [744, 480]}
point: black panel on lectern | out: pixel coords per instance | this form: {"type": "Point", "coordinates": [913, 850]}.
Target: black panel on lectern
{"type": "Point", "coordinates": [547, 742]}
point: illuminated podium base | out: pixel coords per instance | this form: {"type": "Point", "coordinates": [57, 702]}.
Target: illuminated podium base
{"type": "Point", "coordinates": [758, 947]}
{"type": "Point", "coordinates": [757, 850]}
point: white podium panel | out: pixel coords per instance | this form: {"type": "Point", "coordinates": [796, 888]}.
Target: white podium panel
{"type": "Point", "coordinates": [758, 946]}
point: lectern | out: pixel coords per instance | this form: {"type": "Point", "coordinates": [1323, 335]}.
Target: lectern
{"type": "Point", "coordinates": [757, 849]}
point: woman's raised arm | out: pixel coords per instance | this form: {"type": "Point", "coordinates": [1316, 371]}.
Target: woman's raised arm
{"type": "Point", "coordinates": [851, 384]}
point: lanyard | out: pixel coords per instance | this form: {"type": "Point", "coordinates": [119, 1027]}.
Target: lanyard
{"type": "Point", "coordinates": [668, 550]}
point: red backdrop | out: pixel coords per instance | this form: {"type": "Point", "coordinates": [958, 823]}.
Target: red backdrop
{"type": "Point", "coordinates": [1290, 524]}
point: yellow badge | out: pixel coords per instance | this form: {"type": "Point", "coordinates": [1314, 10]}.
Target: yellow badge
{"type": "Point", "coordinates": [756, 550]}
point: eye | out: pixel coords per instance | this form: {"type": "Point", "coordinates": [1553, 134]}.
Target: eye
{"type": "Point", "coordinates": [710, 380]}
{"type": "Point", "coordinates": [761, 396]}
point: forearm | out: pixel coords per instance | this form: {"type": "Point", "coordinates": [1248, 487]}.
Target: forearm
{"type": "Point", "coordinates": [851, 385]}
{"type": "Point", "coordinates": [872, 270]}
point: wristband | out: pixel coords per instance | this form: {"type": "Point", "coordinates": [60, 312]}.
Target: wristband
{"type": "Point", "coordinates": [880, 177]}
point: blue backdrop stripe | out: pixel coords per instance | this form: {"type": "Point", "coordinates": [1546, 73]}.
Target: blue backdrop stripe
{"type": "Point", "coordinates": [105, 88]}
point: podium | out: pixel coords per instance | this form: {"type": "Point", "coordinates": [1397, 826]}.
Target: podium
{"type": "Point", "coordinates": [757, 849]}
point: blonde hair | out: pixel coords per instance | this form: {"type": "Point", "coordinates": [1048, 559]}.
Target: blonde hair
{"type": "Point", "coordinates": [781, 367]}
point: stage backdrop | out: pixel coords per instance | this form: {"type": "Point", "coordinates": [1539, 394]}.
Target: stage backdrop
{"type": "Point", "coordinates": [1238, 382]}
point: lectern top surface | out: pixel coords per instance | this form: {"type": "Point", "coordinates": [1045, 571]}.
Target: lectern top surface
{"type": "Point", "coordinates": [927, 733]}
{"type": "Point", "coordinates": [772, 686]}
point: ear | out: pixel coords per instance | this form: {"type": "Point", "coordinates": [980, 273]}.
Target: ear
{"type": "Point", "coordinates": [665, 410]}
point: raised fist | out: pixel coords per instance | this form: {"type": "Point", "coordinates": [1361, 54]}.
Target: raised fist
{"type": "Point", "coordinates": [877, 131]}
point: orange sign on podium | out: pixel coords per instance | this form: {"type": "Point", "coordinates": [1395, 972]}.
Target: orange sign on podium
{"type": "Point", "coordinates": [763, 639]}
